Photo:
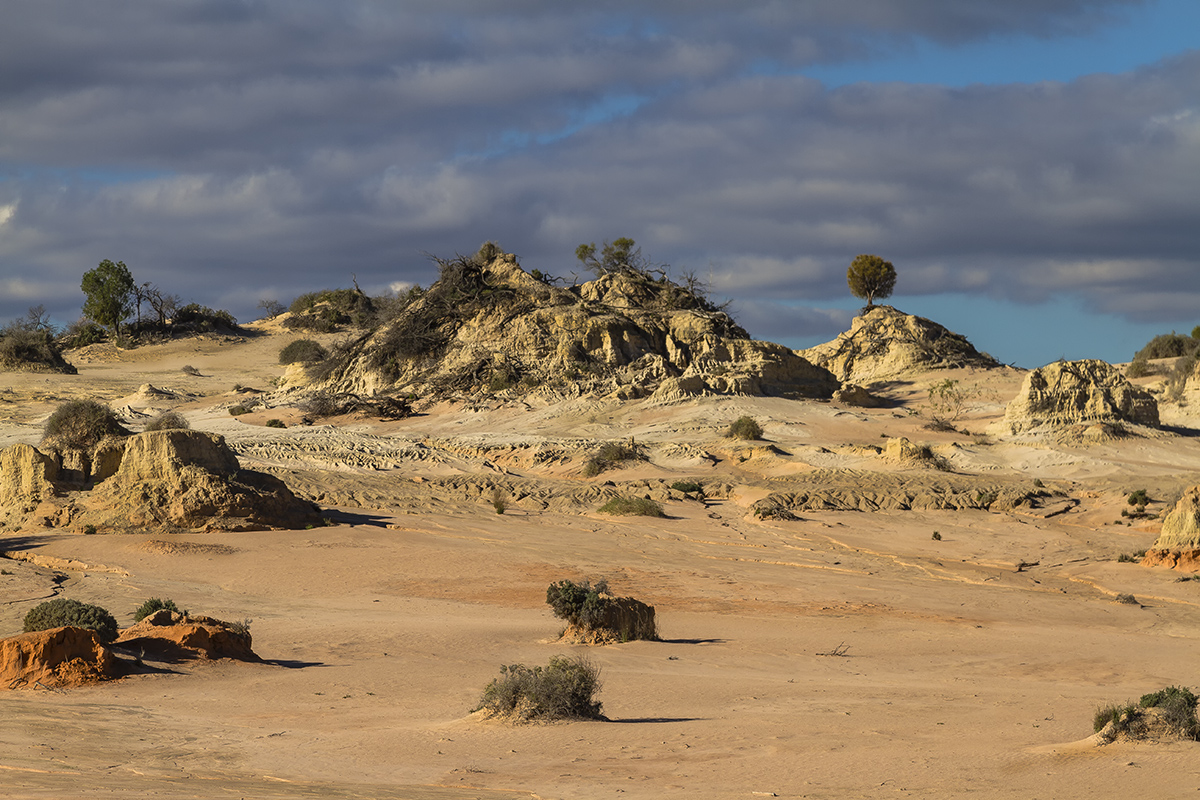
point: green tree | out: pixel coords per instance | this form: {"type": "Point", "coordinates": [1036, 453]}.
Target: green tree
{"type": "Point", "coordinates": [871, 277]}
{"type": "Point", "coordinates": [110, 292]}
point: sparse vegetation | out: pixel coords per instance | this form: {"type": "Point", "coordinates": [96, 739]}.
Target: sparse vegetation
{"type": "Point", "coordinates": [238, 410]}
{"type": "Point", "coordinates": [592, 608]}
{"type": "Point", "coordinates": [167, 420]}
{"type": "Point", "coordinates": [188, 369]}
{"type": "Point", "coordinates": [109, 290]}
{"type": "Point", "coordinates": [564, 689]}
{"type": "Point", "coordinates": [687, 487]}
{"type": "Point", "coordinates": [608, 456]}
{"type": "Point", "coordinates": [29, 344]}
{"type": "Point", "coordinates": [327, 310]}
{"type": "Point", "coordinates": [81, 424]}
{"type": "Point", "coordinates": [155, 604]}
{"type": "Point", "coordinates": [1175, 711]}
{"type": "Point", "coordinates": [947, 403]}
{"type": "Point", "coordinates": [937, 537]}
{"type": "Point", "coordinates": [498, 500]}
{"type": "Point", "coordinates": [745, 428]}
{"type": "Point", "coordinates": [1131, 558]}
{"type": "Point", "coordinates": [632, 507]}
{"type": "Point", "coordinates": [62, 612]}
{"type": "Point", "coordinates": [302, 351]}
{"type": "Point", "coordinates": [1127, 599]}
{"type": "Point", "coordinates": [275, 423]}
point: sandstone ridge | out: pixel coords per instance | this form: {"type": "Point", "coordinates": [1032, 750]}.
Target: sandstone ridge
{"type": "Point", "coordinates": [489, 327]}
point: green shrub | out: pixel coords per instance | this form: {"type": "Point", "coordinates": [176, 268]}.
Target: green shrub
{"type": "Point", "coordinates": [1177, 707]}
{"type": "Point", "coordinates": [632, 507]}
{"type": "Point", "coordinates": [325, 310]}
{"type": "Point", "coordinates": [577, 603]}
{"type": "Point", "coordinates": [25, 347]}
{"type": "Point", "coordinates": [82, 333]}
{"type": "Point", "coordinates": [745, 428]}
{"type": "Point", "coordinates": [302, 351]}
{"type": "Point", "coordinates": [275, 423]}
{"type": "Point", "coordinates": [61, 612]}
{"type": "Point", "coordinates": [498, 500]}
{"type": "Point", "coordinates": [238, 410]}
{"type": "Point", "coordinates": [687, 487]}
{"type": "Point", "coordinates": [82, 424]}
{"type": "Point", "coordinates": [609, 455]}
{"type": "Point", "coordinates": [564, 689]}
{"type": "Point", "coordinates": [167, 420]}
{"type": "Point", "coordinates": [1138, 498]}
{"type": "Point", "coordinates": [1139, 368]}
{"type": "Point", "coordinates": [154, 604]}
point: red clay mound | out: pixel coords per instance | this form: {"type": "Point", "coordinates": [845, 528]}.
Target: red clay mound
{"type": "Point", "coordinates": [56, 658]}
{"type": "Point", "coordinates": [167, 636]}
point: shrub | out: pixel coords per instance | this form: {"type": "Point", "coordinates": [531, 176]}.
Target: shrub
{"type": "Point", "coordinates": [937, 537]}
{"type": "Point", "coordinates": [154, 604]}
{"type": "Point", "coordinates": [687, 487]}
{"type": "Point", "coordinates": [745, 428]}
{"type": "Point", "coordinates": [632, 507]}
{"type": "Point", "coordinates": [577, 603]}
{"type": "Point", "coordinates": [1177, 707]}
{"type": "Point", "coordinates": [61, 612]}
{"type": "Point", "coordinates": [188, 369]}
{"type": "Point", "coordinates": [498, 500]}
{"type": "Point", "coordinates": [1137, 497]}
{"type": "Point", "coordinates": [81, 333]}
{"type": "Point", "coordinates": [1139, 368]}
{"type": "Point", "coordinates": [302, 351]}
{"type": "Point", "coordinates": [275, 423]}
{"type": "Point", "coordinates": [24, 346]}
{"type": "Point", "coordinates": [609, 455]}
{"type": "Point", "coordinates": [238, 410]}
{"type": "Point", "coordinates": [1119, 714]}
{"type": "Point", "coordinates": [325, 310]}
{"type": "Point", "coordinates": [204, 319]}
{"type": "Point", "coordinates": [82, 424]}
{"type": "Point", "coordinates": [167, 420]}
{"type": "Point", "coordinates": [1168, 345]}
{"type": "Point", "coordinates": [1127, 599]}
{"type": "Point", "coordinates": [564, 689]}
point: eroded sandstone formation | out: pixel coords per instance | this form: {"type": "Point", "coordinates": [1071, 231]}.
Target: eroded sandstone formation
{"type": "Point", "coordinates": [55, 658]}
{"type": "Point", "coordinates": [157, 479]}
{"type": "Point", "coordinates": [1072, 392]}
{"type": "Point", "coordinates": [885, 343]}
{"type": "Point", "coordinates": [1178, 543]}
{"type": "Point", "coordinates": [491, 327]}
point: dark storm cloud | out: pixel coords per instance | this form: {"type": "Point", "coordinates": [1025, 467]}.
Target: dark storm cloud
{"type": "Point", "coordinates": [236, 150]}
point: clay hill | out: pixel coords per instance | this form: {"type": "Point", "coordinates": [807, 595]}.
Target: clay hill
{"type": "Point", "coordinates": [487, 325]}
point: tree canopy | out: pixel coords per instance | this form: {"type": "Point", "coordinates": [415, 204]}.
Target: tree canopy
{"type": "Point", "coordinates": [110, 292]}
{"type": "Point", "coordinates": [871, 277]}
{"type": "Point", "coordinates": [619, 254]}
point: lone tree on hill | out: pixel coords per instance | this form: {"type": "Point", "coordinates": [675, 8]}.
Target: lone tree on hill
{"type": "Point", "coordinates": [110, 292]}
{"type": "Point", "coordinates": [617, 255]}
{"type": "Point", "coordinates": [871, 277]}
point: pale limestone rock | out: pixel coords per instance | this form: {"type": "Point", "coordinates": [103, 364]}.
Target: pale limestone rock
{"type": "Point", "coordinates": [26, 477]}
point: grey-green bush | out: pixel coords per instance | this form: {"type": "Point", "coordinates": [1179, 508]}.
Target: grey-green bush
{"type": "Point", "coordinates": [564, 689]}
{"type": "Point", "coordinates": [745, 428]}
{"type": "Point", "coordinates": [82, 424]}
{"type": "Point", "coordinates": [62, 612]}
{"type": "Point", "coordinates": [167, 420]}
{"type": "Point", "coordinates": [632, 507]}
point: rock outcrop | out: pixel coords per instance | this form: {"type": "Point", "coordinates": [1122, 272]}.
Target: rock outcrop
{"type": "Point", "coordinates": [885, 343]}
{"type": "Point", "coordinates": [1072, 392]}
{"type": "Point", "coordinates": [170, 636]}
{"type": "Point", "coordinates": [157, 479]}
{"type": "Point", "coordinates": [54, 658]}
{"type": "Point", "coordinates": [1178, 543]}
{"type": "Point", "coordinates": [487, 326]}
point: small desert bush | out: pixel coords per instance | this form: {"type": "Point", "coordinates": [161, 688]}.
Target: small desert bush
{"type": "Point", "coordinates": [203, 319]}
{"type": "Point", "coordinates": [632, 507]}
{"type": "Point", "coordinates": [564, 689]}
{"type": "Point", "coordinates": [275, 423]}
{"type": "Point", "coordinates": [23, 347]}
{"type": "Point", "coordinates": [1168, 345]}
{"type": "Point", "coordinates": [577, 603]}
{"type": "Point", "coordinates": [498, 500]}
{"type": "Point", "coordinates": [238, 410]}
{"type": "Point", "coordinates": [1112, 712]}
{"type": "Point", "coordinates": [1131, 558]}
{"type": "Point", "coordinates": [154, 604]}
{"type": "Point", "coordinates": [609, 455]}
{"type": "Point", "coordinates": [302, 351]}
{"type": "Point", "coordinates": [1127, 599]}
{"type": "Point", "coordinates": [745, 428]}
{"type": "Point", "coordinates": [1139, 368]}
{"type": "Point", "coordinates": [167, 420]}
{"type": "Point", "coordinates": [1138, 498]}
{"type": "Point", "coordinates": [82, 333]}
{"type": "Point", "coordinates": [61, 612]}
{"type": "Point", "coordinates": [82, 424]}
{"type": "Point", "coordinates": [1177, 708]}
{"type": "Point", "coordinates": [687, 487]}
{"type": "Point", "coordinates": [188, 369]}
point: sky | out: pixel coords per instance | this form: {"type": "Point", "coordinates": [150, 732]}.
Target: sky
{"type": "Point", "coordinates": [1030, 167]}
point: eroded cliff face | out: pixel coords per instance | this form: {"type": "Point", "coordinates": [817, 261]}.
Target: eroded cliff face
{"type": "Point", "coordinates": [1073, 392]}
{"type": "Point", "coordinates": [494, 327]}
{"type": "Point", "coordinates": [152, 480]}
{"type": "Point", "coordinates": [885, 343]}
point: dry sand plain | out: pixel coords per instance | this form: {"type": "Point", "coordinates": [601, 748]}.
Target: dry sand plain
{"type": "Point", "coordinates": [846, 654]}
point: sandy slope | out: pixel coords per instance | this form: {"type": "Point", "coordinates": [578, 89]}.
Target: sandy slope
{"type": "Point", "coordinates": [967, 665]}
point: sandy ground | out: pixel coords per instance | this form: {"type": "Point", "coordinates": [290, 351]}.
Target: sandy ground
{"type": "Point", "coordinates": [842, 655]}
